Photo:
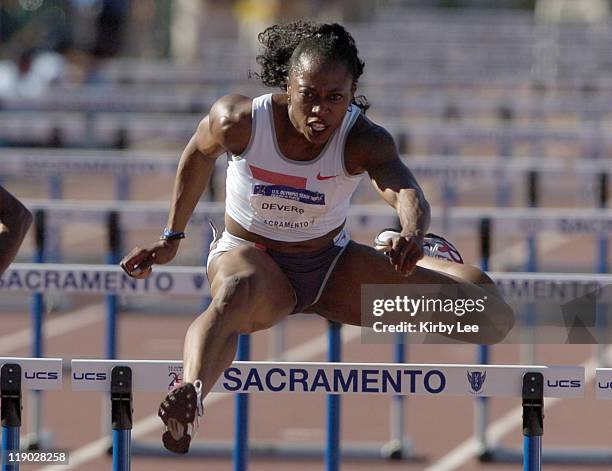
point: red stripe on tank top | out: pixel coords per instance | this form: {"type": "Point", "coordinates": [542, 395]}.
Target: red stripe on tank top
{"type": "Point", "coordinates": [277, 178]}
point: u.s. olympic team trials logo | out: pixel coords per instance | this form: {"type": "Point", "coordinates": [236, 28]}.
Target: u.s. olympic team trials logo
{"type": "Point", "coordinates": [476, 379]}
{"type": "Point", "coordinates": [175, 373]}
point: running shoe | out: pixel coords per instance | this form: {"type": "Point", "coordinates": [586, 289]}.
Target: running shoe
{"type": "Point", "coordinates": [433, 245]}
{"type": "Point", "coordinates": [180, 412]}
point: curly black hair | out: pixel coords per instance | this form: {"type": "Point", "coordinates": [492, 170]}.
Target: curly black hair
{"type": "Point", "coordinates": [283, 44]}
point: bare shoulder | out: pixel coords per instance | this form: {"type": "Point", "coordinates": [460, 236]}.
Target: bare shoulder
{"type": "Point", "coordinates": [8, 201]}
{"type": "Point", "coordinates": [11, 207]}
{"type": "Point", "coordinates": [229, 122]}
{"type": "Point", "coordinates": [368, 145]}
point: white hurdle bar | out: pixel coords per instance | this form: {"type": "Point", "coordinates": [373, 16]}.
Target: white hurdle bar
{"type": "Point", "coordinates": [110, 279]}
{"type": "Point", "coordinates": [514, 221]}
{"type": "Point", "coordinates": [334, 379]}
{"type": "Point", "coordinates": [45, 162]}
{"type": "Point", "coordinates": [143, 99]}
{"type": "Point", "coordinates": [123, 165]}
{"type": "Point", "coordinates": [337, 378]}
{"type": "Point", "coordinates": [111, 128]}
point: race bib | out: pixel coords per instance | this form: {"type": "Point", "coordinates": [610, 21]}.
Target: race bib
{"type": "Point", "coordinates": [286, 207]}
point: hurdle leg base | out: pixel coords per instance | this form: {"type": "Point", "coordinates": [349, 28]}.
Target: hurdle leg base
{"type": "Point", "coordinates": [297, 451]}
{"type": "Point", "coordinates": [37, 441]}
{"type": "Point", "coordinates": [397, 450]}
{"type": "Point", "coordinates": [577, 456]}
{"type": "Point", "coordinates": [486, 456]}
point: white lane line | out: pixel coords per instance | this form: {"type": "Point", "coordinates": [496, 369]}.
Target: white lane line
{"type": "Point", "coordinates": [303, 352]}
{"type": "Point", "coordinates": [498, 429]}
{"type": "Point", "coordinates": [65, 324]}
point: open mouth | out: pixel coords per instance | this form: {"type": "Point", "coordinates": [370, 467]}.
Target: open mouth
{"type": "Point", "coordinates": [317, 127]}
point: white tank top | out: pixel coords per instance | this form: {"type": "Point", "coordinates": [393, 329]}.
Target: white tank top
{"type": "Point", "coordinates": [286, 200]}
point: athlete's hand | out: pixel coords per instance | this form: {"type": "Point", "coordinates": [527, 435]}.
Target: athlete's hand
{"type": "Point", "coordinates": [404, 251]}
{"type": "Point", "coordinates": [139, 262]}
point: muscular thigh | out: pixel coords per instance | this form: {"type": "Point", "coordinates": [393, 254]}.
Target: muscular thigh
{"type": "Point", "coordinates": [270, 295]}
{"type": "Point", "coordinates": [360, 264]}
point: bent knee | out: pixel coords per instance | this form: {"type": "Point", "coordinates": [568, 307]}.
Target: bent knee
{"type": "Point", "coordinates": [235, 290]}
{"type": "Point", "coordinates": [238, 307]}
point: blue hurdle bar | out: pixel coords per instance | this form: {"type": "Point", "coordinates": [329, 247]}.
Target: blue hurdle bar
{"type": "Point", "coordinates": [531, 266]}
{"type": "Point", "coordinates": [241, 426]}
{"type": "Point", "coordinates": [113, 258]}
{"type": "Point", "coordinates": [533, 420]}
{"type": "Point", "coordinates": [602, 267]}
{"type": "Point", "coordinates": [505, 150]}
{"type": "Point", "coordinates": [37, 313]}
{"type": "Point", "coordinates": [121, 413]}
{"type": "Point", "coordinates": [332, 451]}
{"type": "Point", "coordinates": [10, 405]}
{"type": "Point", "coordinates": [532, 453]}
{"type": "Point", "coordinates": [396, 448]}
{"type": "Point", "coordinates": [482, 351]}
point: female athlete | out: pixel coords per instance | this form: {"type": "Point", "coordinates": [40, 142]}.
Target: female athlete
{"type": "Point", "coordinates": [295, 158]}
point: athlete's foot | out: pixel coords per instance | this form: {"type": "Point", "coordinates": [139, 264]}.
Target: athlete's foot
{"type": "Point", "coordinates": [180, 412]}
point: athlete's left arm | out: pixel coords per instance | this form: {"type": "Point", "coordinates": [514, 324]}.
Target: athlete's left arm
{"type": "Point", "coordinates": [398, 187]}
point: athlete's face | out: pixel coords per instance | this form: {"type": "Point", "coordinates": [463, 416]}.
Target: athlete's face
{"type": "Point", "coordinates": [319, 92]}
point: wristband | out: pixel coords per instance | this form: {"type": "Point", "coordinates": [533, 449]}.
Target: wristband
{"type": "Point", "coordinates": [170, 235]}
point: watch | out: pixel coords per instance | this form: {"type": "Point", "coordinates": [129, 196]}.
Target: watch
{"type": "Point", "coordinates": [171, 235]}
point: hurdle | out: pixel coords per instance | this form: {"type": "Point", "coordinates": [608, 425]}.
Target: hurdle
{"type": "Point", "coordinates": [593, 456]}
{"type": "Point", "coordinates": [457, 220]}
{"type": "Point", "coordinates": [531, 383]}
{"type": "Point", "coordinates": [122, 164]}
{"type": "Point", "coordinates": [590, 456]}
{"type": "Point", "coordinates": [139, 99]}
{"type": "Point", "coordinates": [17, 374]}
{"type": "Point", "coordinates": [113, 129]}
{"type": "Point", "coordinates": [169, 73]}
{"type": "Point", "coordinates": [97, 279]}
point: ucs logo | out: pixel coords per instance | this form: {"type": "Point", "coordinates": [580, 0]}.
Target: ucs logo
{"type": "Point", "coordinates": [50, 375]}
{"type": "Point", "coordinates": [564, 383]}
{"type": "Point", "coordinates": [90, 376]}
{"type": "Point", "coordinates": [476, 380]}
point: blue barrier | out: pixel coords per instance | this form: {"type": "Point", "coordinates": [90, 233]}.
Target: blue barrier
{"type": "Point", "coordinates": [121, 417]}
{"type": "Point", "coordinates": [332, 450]}
{"type": "Point", "coordinates": [533, 420]}
{"type": "Point", "coordinates": [113, 258]}
{"type": "Point", "coordinates": [241, 425]}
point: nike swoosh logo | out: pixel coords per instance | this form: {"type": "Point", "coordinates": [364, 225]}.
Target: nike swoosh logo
{"type": "Point", "coordinates": [319, 177]}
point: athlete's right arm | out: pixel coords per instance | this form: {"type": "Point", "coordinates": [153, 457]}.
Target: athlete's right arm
{"type": "Point", "coordinates": [226, 128]}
